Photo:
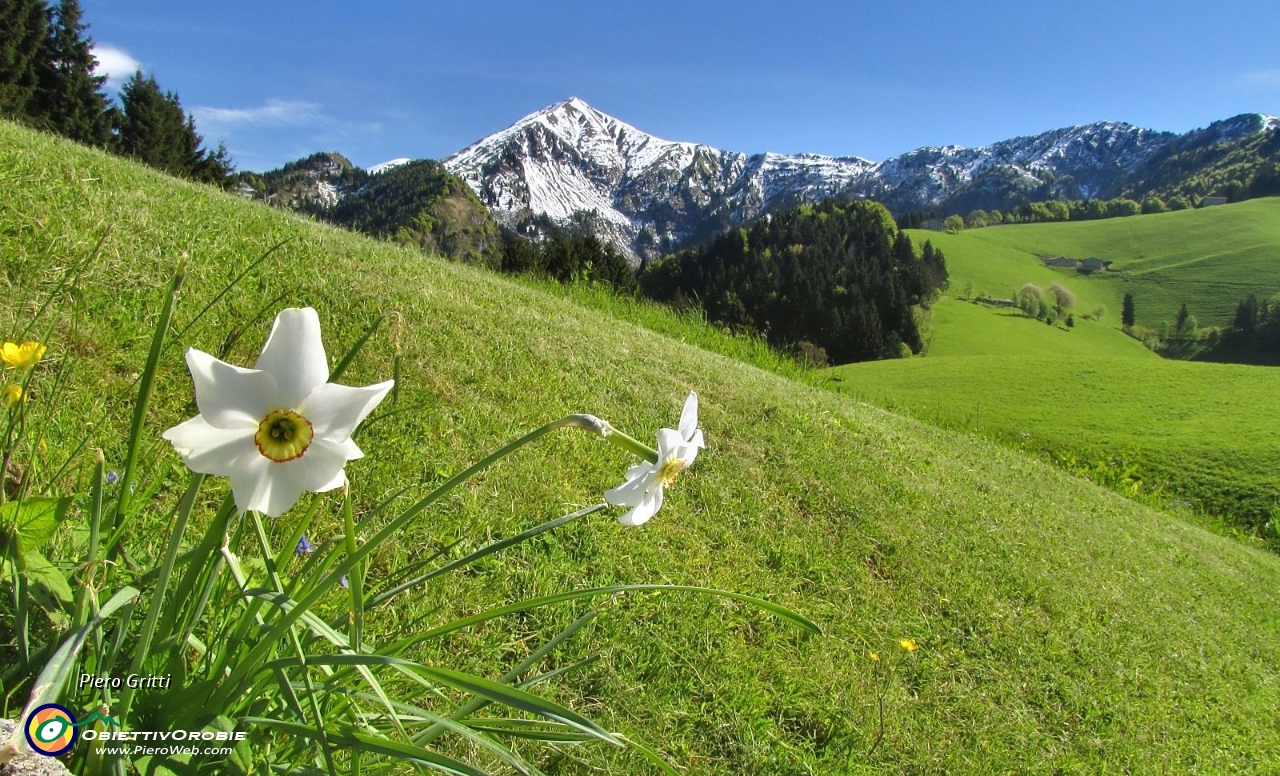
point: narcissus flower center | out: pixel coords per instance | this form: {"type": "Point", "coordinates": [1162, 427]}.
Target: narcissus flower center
{"type": "Point", "coordinates": [672, 467]}
{"type": "Point", "coordinates": [283, 435]}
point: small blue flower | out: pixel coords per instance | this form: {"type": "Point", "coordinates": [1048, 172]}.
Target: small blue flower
{"type": "Point", "coordinates": [343, 581]}
{"type": "Point", "coordinates": [112, 478]}
{"type": "Point", "coordinates": [304, 547]}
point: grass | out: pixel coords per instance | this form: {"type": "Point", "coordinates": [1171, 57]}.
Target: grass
{"type": "Point", "coordinates": [1199, 432]}
{"type": "Point", "coordinates": [1061, 627]}
{"type": "Point", "coordinates": [687, 326]}
{"type": "Point", "coordinates": [963, 328]}
{"type": "Point", "coordinates": [1208, 258]}
{"type": "Point", "coordinates": [1209, 433]}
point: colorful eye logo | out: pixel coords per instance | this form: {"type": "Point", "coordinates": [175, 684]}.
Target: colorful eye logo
{"type": "Point", "coordinates": [51, 730]}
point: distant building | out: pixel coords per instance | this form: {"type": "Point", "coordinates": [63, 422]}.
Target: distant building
{"type": "Point", "coordinates": [1083, 266]}
{"type": "Point", "coordinates": [1211, 201]}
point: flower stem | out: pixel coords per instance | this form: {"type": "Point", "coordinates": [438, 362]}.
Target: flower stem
{"type": "Point", "coordinates": [143, 647]}
{"type": "Point", "coordinates": [252, 662]}
{"type": "Point", "coordinates": [606, 430]}
{"type": "Point", "coordinates": [144, 396]}
{"type": "Point", "coordinates": [633, 445]}
{"type": "Point", "coordinates": [268, 560]}
{"type": "Point", "coordinates": [356, 578]}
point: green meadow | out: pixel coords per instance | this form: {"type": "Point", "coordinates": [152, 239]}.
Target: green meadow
{"type": "Point", "coordinates": [1091, 397]}
{"type": "Point", "coordinates": [962, 328]}
{"type": "Point", "coordinates": [1204, 433]}
{"type": "Point", "coordinates": [1209, 258]}
{"type": "Point", "coordinates": [1061, 627]}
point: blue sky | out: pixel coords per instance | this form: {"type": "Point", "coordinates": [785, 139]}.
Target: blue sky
{"type": "Point", "coordinates": [278, 81]}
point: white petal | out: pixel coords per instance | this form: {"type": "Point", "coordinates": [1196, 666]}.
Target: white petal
{"type": "Point", "coordinates": [257, 484]}
{"type": "Point", "coordinates": [294, 355]}
{"type": "Point", "coordinates": [687, 454]}
{"type": "Point", "coordinates": [272, 488]}
{"type": "Point", "coordinates": [317, 469]}
{"type": "Point", "coordinates": [689, 416]}
{"type": "Point", "coordinates": [644, 510]}
{"type": "Point", "coordinates": [670, 442]}
{"type": "Point", "coordinates": [338, 481]}
{"type": "Point", "coordinates": [632, 492]}
{"type": "Point", "coordinates": [350, 449]}
{"type": "Point", "coordinates": [639, 470]}
{"type": "Point", "coordinates": [206, 449]}
{"type": "Point", "coordinates": [335, 410]}
{"type": "Point", "coordinates": [696, 440]}
{"type": "Point", "coordinates": [230, 396]}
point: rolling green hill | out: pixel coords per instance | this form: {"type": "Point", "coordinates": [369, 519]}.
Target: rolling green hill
{"type": "Point", "coordinates": [1060, 626]}
{"type": "Point", "coordinates": [1200, 432]}
{"type": "Point", "coordinates": [1207, 433]}
{"type": "Point", "coordinates": [963, 328]}
{"type": "Point", "coordinates": [1209, 258]}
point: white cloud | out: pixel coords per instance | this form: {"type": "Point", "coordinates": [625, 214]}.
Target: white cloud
{"type": "Point", "coordinates": [276, 113]}
{"type": "Point", "coordinates": [115, 64]}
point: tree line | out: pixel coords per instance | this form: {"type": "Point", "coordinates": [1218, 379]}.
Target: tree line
{"type": "Point", "coordinates": [1046, 211]}
{"type": "Point", "coordinates": [1256, 327]}
{"type": "Point", "coordinates": [837, 279]}
{"type": "Point", "coordinates": [569, 258]}
{"type": "Point", "coordinates": [48, 81]}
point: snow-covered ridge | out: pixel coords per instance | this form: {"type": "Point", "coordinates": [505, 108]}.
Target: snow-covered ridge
{"type": "Point", "coordinates": [649, 194]}
{"type": "Point", "coordinates": [646, 192]}
{"type": "Point", "coordinates": [387, 165]}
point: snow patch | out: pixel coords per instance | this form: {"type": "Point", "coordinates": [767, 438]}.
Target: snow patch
{"type": "Point", "coordinates": [387, 165]}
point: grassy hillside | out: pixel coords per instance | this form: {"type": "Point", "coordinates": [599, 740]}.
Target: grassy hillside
{"type": "Point", "coordinates": [963, 328]}
{"type": "Point", "coordinates": [1202, 432]}
{"type": "Point", "coordinates": [1209, 433]}
{"type": "Point", "coordinates": [1061, 627]}
{"type": "Point", "coordinates": [1209, 258]}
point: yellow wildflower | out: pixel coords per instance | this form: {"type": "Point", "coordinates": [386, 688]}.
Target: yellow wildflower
{"type": "Point", "coordinates": [874, 657]}
{"type": "Point", "coordinates": [12, 395]}
{"type": "Point", "coordinates": [22, 356]}
{"type": "Point", "coordinates": [909, 645]}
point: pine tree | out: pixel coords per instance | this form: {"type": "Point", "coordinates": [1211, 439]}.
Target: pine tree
{"type": "Point", "coordinates": [23, 26]}
{"type": "Point", "coordinates": [1180, 321]}
{"type": "Point", "coordinates": [69, 98]}
{"type": "Point", "coordinates": [156, 131]}
{"type": "Point", "coordinates": [153, 128]}
{"type": "Point", "coordinates": [205, 166]}
{"type": "Point", "coordinates": [1126, 311]}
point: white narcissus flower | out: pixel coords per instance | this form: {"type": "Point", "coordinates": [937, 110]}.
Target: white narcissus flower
{"type": "Point", "coordinates": [645, 482]}
{"type": "Point", "coordinates": [280, 428]}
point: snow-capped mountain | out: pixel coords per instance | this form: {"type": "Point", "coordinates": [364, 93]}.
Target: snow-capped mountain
{"type": "Point", "coordinates": [648, 194]}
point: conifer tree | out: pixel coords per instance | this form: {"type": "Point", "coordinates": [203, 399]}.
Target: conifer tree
{"type": "Point", "coordinates": [69, 98]}
{"type": "Point", "coordinates": [1126, 311]}
{"type": "Point", "coordinates": [153, 128]}
{"type": "Point", "coordinates": [23, 26]}
{"type": "Point", "coordinates": [206, 166]}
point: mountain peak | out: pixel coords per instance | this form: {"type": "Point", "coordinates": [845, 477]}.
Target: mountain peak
{"type": "Point", "coordinates": [573, 102]}
{"type": "Point", "coordinates": [577, 165]}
